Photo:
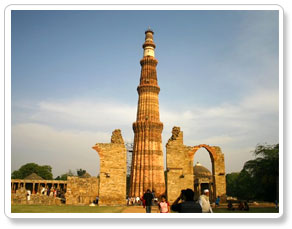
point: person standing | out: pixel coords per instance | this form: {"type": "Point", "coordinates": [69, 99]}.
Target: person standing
{"type": "Point", "coordinates": [185, 203]}
{"type": "Point", "coordinates": [276, 204]}
{"type": "Point", "coordinates": [138, 200]}
{"type": "Point", "coordinates": [164, 205]}
{"type": "Point", "coordinates": [217, 201]}
{"type": "Point", "coordinates": [43, 190]}
{"type": "Point", "coordinates": [205, 203]}
{"type": "Point", "coordinates": [246, 207]}
{"type": "Point", "coordinates": [28, 194]}
{"type": "Point", "coordinates": [148, 200]}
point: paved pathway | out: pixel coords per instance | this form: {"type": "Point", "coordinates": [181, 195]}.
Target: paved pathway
{"type": "Point", "coordinates": [139, 209]}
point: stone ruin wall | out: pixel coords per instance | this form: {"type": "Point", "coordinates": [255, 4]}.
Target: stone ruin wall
{"type": "Point", "coordinates": [179, 166]}
{"type": "Point", "coordinates": [113, 170]}
{"type": "Point", "coordinates": [219, 175]}
{"type": "Point", "coordinates": [20, 197]}
{"type": "Point", "coordinates": [179, 162]}
{"type": "Point", "coordinates": [81, 191]}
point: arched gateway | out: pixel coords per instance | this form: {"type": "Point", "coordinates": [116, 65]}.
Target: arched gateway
{"type": "Point", "coordinates": [179, 162]}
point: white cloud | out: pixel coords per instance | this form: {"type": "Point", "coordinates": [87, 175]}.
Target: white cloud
{"type": "Point", "coordinates": [263, 101]}
{"type": "Point", "coordinates": [236, 128]}
{"type": "Point", "coordinates": [85, 113]}
{"type": "Point", "coordinates": [62, 133]}
{"type": "Point", "coordinates": [62, 149]}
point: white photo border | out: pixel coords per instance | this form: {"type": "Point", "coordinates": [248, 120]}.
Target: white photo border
{"type": "Point", "coordinates": [7, 84]}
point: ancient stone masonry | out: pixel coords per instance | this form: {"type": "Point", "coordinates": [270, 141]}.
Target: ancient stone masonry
{"type": "Point", "coordinates": [179, 165]}
{"type": "Point", "coordinates": [113, 169]}
{"type": "Point", "coordinates": [218, 169]}
{"type": "Point", "coordinates": [20, 197]}
{"type": "Point", "coordinates": [35, 185]}
{"type": "Point", "coordinates": [179, 160]}
{"type": "Point", "coordinates": [81, 191]}
{"type": "Point", "coordinates": [147, 167]}
{"type": "Point", "coordinates": [147, 170]}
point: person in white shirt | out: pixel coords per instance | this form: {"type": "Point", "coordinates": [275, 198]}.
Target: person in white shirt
{"type": "Point", "coordinates": [205, 203]}
{"type": "Point", "coordinates": [43, 190]}
{"type": "Point", "coordinates": [138, 200]}
{"type": "Point", "coordinates": [28, 194]}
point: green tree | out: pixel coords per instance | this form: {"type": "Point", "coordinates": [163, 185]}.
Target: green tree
{"type": "Point", "coordinates": [264, 170]}
{"type": "Point", "coordinates": [80, 172]}
{"type": "Point", "coordinates": [259, 178]}
{"type": "Point", "coordinates": [244, 186]}
{"type": "Point", "coordinates": [65, 175]}
{"type": "Point", "coordinates": [231, 189]}
{"type": "Point", "coordinates": [44, 171]}
{"type": "Point", "coordinates": [62, 177]}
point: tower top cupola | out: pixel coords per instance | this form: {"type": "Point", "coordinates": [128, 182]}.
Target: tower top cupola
{"type": "Point", "coordinates": [149, 44]}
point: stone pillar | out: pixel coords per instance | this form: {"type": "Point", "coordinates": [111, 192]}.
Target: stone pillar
{"type": "Point", "coordinates": [179, 166]}
{"type": "Point", "coordinates": [113, 170]}
{"type": "Point", "coordinates": [219, 178]}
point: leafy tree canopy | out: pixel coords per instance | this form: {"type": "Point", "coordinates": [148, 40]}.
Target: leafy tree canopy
{"type": "Point", "coordinates": [80, 172]}
{"type": "Point", "coordinates": [65, 175]}
{"type": "Point", "coordinates": [44, 171]}
{"type": "Point", "coordinates": [259, 178]}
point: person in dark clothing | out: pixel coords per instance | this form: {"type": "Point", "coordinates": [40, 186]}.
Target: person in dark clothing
{"type": "Point", "coordinates": [240, 206]}
{"type": "Point", "coordinates": [217, 201]}
{"type": "Point", "coordinates": [187, 204]}
{"type": "Point", "coordinates": [230, 206]}
{"type": "Point", "coordinates": [148, 200]}
{"type": "Point", "coordinates": [246, 207]}
{"type": "Point", "coordinates": [96, 200]}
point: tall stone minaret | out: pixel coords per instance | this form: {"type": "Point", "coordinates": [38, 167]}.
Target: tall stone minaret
{"type": "Point", "coordinates": [147, 171]}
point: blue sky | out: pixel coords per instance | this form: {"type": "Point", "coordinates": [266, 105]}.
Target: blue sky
{"type": "Point", "coordinates": [75, 74]}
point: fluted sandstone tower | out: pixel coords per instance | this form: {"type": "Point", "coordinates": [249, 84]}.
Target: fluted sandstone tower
{"type": "Point", "coordinates": [147, 170]}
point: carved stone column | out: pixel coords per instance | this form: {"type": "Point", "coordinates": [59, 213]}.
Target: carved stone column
{"type": "Point", "coordinates": [147, 171]}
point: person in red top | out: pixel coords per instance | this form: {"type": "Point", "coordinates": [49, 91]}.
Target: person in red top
{"type": "Point", "coordinates": [164, 205]}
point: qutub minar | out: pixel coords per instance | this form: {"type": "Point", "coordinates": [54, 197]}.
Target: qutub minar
{"type": "Point", "coordinates": [147, 171]}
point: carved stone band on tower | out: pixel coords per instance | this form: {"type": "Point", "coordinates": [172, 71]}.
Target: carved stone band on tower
{"type": "Point", "coordinates": [147, 171]}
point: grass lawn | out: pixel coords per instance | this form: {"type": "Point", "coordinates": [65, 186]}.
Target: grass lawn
{"type": "Point", "coordinates": [65, 209]}
{"type": "Point", "coordinates": [251, 210]}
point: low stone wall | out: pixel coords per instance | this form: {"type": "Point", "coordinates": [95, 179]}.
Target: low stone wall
{"type": "Point", "coordinates": [20, 197]}
{"type": "Point", "coordinates": [81, 191]}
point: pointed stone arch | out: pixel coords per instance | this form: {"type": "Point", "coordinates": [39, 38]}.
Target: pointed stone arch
{"type": "Point", "coordinates": [218, 168]}
{"type": "Point", "coordinates": [179, 162]}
